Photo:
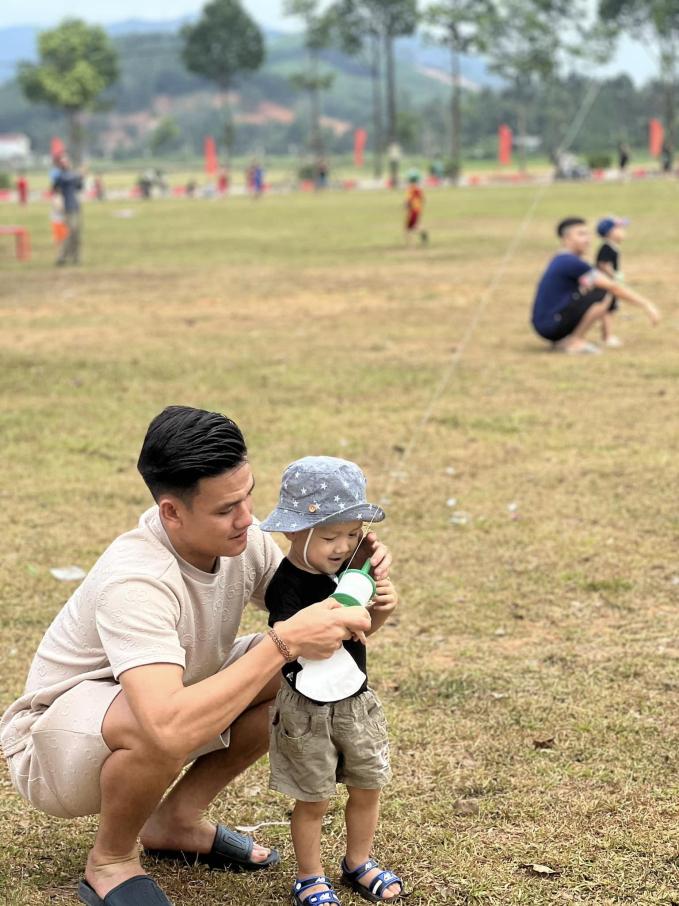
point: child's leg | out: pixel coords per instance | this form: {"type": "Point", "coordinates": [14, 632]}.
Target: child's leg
{"type": "Point", "coordinates": [305, 826]}
{"type": "Point", "coordinates": [361, 815]}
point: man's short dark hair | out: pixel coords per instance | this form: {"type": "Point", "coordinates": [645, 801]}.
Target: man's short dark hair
{"type": "Point", "coordinates": [567, 223]}
{"type": "Point", "coordinates": [183, 445]}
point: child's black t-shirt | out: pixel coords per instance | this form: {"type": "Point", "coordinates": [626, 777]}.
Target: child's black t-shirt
{"type": "Point", "coordinates": [288, 592]}
{"type": "Point", "coordinates": [608, 254]}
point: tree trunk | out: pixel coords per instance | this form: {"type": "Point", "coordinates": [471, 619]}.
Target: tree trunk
{"type": "Point", "coordinates": [455, 110]}
{"type": "Point", "coordinates": [75, 137]}
{"type": "Point", "coordinates": [316, 135]}
{"type": "Point", "coordinates": [522, 116]}
{"type": "Point", "coordinates": [668, 57]}
{"type": "Point", "coordinates": [377, 104]}
{"type": "Point", "coordinates": [228, 128]}
{"type": "Point", "coordinates": [392, 137]}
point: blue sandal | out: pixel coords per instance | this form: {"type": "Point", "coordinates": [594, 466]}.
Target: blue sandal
{"type": "Point", "coordinates": [323, 898]}
{"type": "Point", "coordinates": [380, 882]}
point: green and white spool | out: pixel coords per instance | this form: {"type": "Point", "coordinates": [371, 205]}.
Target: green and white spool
{"type": "Point", "coordinates": [355, 587]}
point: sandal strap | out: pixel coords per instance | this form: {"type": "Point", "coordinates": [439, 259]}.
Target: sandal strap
{"type": "Point", "coordinates": [381, 880]}
{"type": "Point", "coordinates": [323, 898]}
{"type": "Point", "coordinates": [229, 843]}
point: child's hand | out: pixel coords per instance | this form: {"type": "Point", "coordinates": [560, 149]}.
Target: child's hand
{"type": "Point", "coordinates": [386, 599]}
{"type": "Point", "coordinates": [653, 313]}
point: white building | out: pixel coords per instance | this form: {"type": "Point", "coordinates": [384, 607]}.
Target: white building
{"type": "Point", "coordinates": [15, 148]}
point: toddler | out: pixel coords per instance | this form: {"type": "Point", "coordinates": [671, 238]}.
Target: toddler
{"type": "Point", "coordinates": [328, 725]}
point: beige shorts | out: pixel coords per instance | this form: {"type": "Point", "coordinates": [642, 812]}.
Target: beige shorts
{"type": "Point", "coordinates": [58, 772]}
{"type": "Point", "coordinates": [314, 747]}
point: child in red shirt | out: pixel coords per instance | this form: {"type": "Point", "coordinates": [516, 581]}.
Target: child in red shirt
{"type": "Point", "coordinates": [414, 205]}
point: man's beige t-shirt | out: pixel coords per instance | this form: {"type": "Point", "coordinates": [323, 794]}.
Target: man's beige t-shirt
{"type": "Point", "coordinates": [142, 604]}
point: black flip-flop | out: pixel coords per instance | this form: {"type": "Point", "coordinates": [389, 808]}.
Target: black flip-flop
{"type": "Point", "coordinates": [138, 891]}
{"type": "Point", "coordinates": [230, 852]}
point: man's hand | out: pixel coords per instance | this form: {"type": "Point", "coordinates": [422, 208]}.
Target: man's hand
{"type": "Point", "coordinates": [318, 631]}
{"type": "Point", "coordinates": [378, 553]}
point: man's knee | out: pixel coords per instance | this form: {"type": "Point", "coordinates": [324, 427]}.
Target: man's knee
{"type": "Point", "coordinates": [121, 730]}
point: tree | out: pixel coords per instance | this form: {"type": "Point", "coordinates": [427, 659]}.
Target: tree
{"type": "Point", "coordinates": [462, 25]}
{"type": "Point", "coordinates": [528, 42]}
{"type": "Point", "coordinates": [224, 43]}
{"type": "Point", "coordinates": [657, 21]}
{"type": "Point", "coordinates": [359, 35]}
{"type": "Point", "coordinates": [394, 18]}
{"type": "Point", "coordinates": [165, 135]}
{"type": "Point", "coordinates": [77, 63]}
{"type": "Point", "coordinates": [318, 28]}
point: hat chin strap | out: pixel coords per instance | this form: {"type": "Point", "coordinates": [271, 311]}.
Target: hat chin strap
{"type": "Point", "coordinates": [306, 548]}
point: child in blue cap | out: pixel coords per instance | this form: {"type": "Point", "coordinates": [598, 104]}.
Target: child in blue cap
{"type": "Point", "coordinates": [328, 725]}
{"type": "Point", "coordinates": [612, 231]}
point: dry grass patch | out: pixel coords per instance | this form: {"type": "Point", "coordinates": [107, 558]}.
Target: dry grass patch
{"type": "Point", "coordinates": [550, 615]}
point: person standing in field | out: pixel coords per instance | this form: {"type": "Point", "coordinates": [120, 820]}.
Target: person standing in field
{"type": "Point", "coordinates": [572, 295]}
{"type": "Point", "coordinates": [623, 158]}
{"type": "Point", "coordinates": [612, 231]}
{"type": "Point", "coordinates": [69, 183]}
{"type": "Point", "coordinates": [22, 189]}
{"type": "Point", "coordinates": [414, 206]}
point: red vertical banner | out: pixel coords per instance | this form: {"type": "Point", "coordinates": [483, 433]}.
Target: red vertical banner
{"type": "Point", "coordinates": [210, 149]}
{"type": "Point", "coordinates": [360, 137]}
{"type": "Point", "coordinates": [656, 137]}
{"type": "Point", "coordinates": [56, 146]}
{"type": "Point", "coordinates": [504, 145]}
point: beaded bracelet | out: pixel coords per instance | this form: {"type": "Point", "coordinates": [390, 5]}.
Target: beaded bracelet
{"type": "Point", "coordinates": [282, 647]}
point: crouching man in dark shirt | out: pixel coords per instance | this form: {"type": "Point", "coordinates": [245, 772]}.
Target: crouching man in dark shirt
{"type": "Point", "coordinates": [572, 295]}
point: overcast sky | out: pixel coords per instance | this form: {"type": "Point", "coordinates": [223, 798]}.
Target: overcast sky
{"type": "Point", "coordinates": [632, 58]}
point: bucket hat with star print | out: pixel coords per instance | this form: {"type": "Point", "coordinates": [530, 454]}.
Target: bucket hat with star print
{"type": "Point", "coordinates": [321, 489]}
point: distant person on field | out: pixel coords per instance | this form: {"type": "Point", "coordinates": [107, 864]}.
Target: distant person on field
{"type": "Point", "coordinates": [69, 183]}
{"type": "Point", "coordinates": [58, 220]}
{"type": "Point", "coordinates": [612, 231]}
{"type": "Point", "coordinates": [22, 189]}
{"type": "Point", "coordinates": [623, 157]}
{"type": "Point", "coordinates": [257, 180]}
{"type": "Point", "coordinates": [666, 158]}
{"type": "Point", "coordinates": [572, 295]}
{"type": "Point", "coordinates": [414, 205]}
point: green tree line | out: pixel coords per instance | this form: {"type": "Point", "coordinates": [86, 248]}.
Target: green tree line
{"type": "Point", "coordinates": [351, 72]}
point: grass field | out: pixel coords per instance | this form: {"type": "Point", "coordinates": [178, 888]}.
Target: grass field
{"type": "Point", "coordinates": [532, 674]}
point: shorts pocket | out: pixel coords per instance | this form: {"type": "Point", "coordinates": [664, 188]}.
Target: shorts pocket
{"type": "Point", "coordinates": [293, 730]}
{"type": "Point", "coordinates": [374, 712]}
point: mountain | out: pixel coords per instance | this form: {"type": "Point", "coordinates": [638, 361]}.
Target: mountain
{"type": "Point", "coordinates": [154, 85]}
{"type": "Point", "coordinates": [20, 43]}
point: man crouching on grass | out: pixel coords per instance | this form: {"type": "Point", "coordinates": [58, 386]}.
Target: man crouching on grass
{"type": "Point", "coordinates": [572, 295]}
{"type": "Point", "coordinates": [142, 673]}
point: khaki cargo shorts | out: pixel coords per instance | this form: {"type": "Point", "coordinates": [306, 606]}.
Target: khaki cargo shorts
{"type": "Point", "coordinates": [59, 769]}
{"type": "Point", "coordinates": [314, 747]}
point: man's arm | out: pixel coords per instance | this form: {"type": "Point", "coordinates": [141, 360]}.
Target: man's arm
{"type": "Point", "coordinates": [180, 719]}
{"type": "Point", "coordinates": [601, 281]}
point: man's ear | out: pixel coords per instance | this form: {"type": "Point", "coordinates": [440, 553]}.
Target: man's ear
{"type": "Point", "coordinates": [170, 511]}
